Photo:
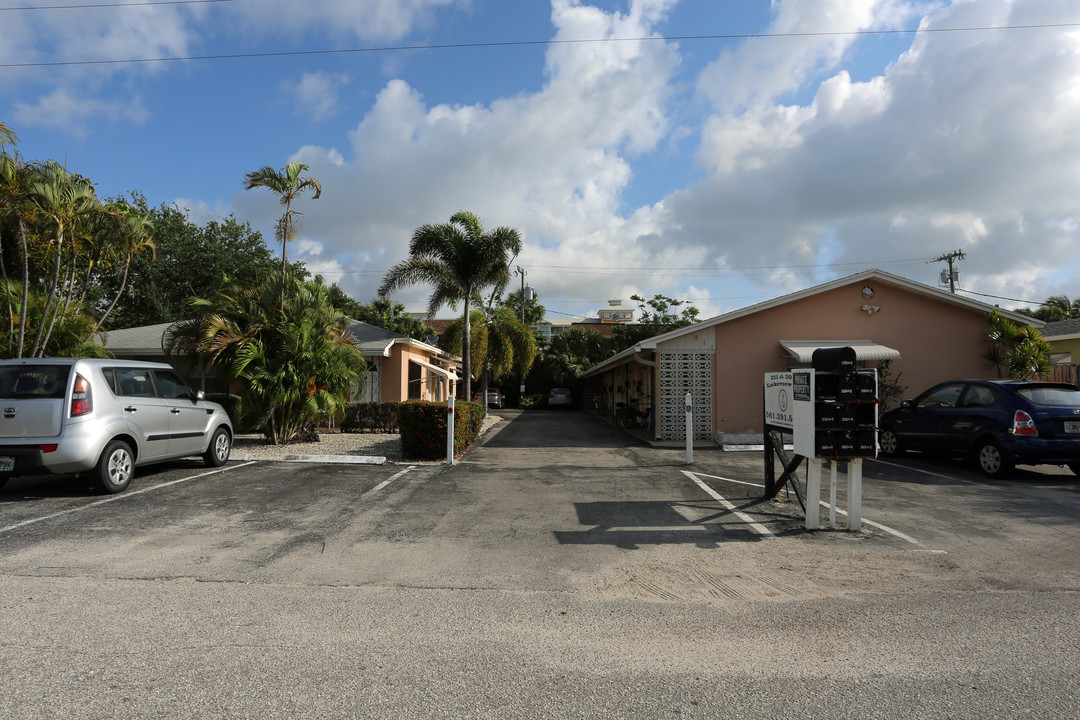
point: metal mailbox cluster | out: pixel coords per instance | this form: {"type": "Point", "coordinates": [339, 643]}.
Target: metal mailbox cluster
{"type": "Point", "coordinates": [835, 407]}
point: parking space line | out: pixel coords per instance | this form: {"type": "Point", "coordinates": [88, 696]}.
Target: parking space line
{"type": "Point", "coordinates": [114, 498]}
{"type": "Point", "coordinates": [879, 526]}
{"type": "Point", "coordinates": [931, 474]}
{"type": "Point", "coordinates": [756, 526]}
{"type": "Point", "coordinates": [385, 482]}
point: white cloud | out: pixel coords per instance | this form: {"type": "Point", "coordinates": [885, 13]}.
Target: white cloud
{"type": "Point", "coordinates": [966, 141]}
{"type": "Point", "coordinates": [368, 20]}
{"type": "Point", "coordinates": [551, 163]}
{"type": "Point", "coordinates": [64, 110]}
{"type": "Point", "coordinates": [316, 93]}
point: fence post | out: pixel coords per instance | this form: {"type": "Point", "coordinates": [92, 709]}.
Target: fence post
{"type": "Point", "coordinates": [689, 429]}
{"type": "Point", "coordinates": [450, 431]}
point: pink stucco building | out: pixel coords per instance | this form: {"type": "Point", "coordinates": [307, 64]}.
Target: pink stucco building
{"type": "Point", "coordinates": [929, 334]}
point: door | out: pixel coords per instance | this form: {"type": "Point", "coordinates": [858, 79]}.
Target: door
{"type": "Point", "coordinates": [188, 415]}
{"type": "Point", "coordinates": [147, 415]}
{"type": "Point", "coordinates": [928, 425]}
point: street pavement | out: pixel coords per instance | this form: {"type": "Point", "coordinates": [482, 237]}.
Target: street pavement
{"type": "Point", "coordinates": [562, 569]}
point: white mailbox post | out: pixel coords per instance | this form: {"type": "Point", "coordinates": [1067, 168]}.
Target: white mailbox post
{"type": "Point", "coordinates": [834, 417]}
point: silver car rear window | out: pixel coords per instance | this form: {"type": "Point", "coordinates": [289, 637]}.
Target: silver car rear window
{"type": "Point", "coordinates": [1050, 395]}
{"type": "Point", "coordinates": [34, 381]}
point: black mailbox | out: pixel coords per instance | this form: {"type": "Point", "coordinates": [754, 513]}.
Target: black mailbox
{"type": "Point", "coordinates": [838, 359]}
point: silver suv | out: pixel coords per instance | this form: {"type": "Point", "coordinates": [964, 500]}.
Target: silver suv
{"type": "Point", "coordinates": [104, 417]}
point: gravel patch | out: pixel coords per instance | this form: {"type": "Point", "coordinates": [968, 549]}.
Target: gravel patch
{"type": "Point", "coordinates": [253, 446]}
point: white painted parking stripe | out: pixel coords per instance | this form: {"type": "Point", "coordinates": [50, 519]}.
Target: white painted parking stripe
{"type": "Point", "coordinates": [931, 474]}
{"type": "Point", "coordinates": [384, 483]}
{"type": "Point", "coordinates": [114, 498]}
{"type": "Point", "coordinates": [884, 528]}
{"type": "Point", "coordinates": [757, 527]}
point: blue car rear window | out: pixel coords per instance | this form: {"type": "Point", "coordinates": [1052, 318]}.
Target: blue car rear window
{"type": "Point", "coordinates": [1053, 396]}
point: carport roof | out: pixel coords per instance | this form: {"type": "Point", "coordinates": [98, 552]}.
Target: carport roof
{"type": "Point", "coordinates": [803, 350]}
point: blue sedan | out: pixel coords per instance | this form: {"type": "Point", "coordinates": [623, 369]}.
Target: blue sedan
{"type": "Point", "coordinates": [996, 423]}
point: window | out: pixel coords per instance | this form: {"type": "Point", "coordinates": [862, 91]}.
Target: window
{"type": "Point", "coordinates": [132, 382]}
{"type": "Point", "coordinates": [943, 396]}
{"type": "Point", "coordinates": [979, 396]}
{"type": "Point", "coordinates": [34, 381]}
{"type": "Point", "coordinates": [171, 387]}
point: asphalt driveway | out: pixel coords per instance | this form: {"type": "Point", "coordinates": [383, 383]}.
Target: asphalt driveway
{"type": "Point", "coordinates": [561, 570]}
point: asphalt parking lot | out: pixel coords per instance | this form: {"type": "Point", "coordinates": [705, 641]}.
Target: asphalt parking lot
{"type": "Point", "coordinates": [562, 569]}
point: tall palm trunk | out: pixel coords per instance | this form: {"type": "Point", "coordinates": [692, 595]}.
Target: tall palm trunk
{"type": "Point", "coordinates": [38, 345]}
{"type": "Point", "coordinates": [466, 349]}
{"type": "Point", "coordinates": [25, 288]}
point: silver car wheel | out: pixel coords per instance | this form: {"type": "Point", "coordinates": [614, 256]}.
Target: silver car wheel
{"type": "Point", "coordinates": [120, 466]}
{"type": "Point", "coordinates": [221, 447]}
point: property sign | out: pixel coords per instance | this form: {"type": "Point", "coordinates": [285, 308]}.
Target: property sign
{"type": "Point", "coordinates": [778, 397]}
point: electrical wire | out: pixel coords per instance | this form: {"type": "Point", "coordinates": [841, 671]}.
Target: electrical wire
{"type": "Point", "coordinates": [114, 5]}
{"type": "Point", "coordinates": [529, 43]}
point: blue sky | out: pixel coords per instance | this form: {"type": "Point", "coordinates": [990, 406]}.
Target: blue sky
{"type": "Point", "coordinates": [724, 170]}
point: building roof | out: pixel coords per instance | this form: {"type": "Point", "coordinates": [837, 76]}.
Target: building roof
{"type": "Point", "coordinates": [143, 340]}
{"type": "Point", "coordinates": [865, 276]}
{"type": "Point", "coordinates": [1061, 330]}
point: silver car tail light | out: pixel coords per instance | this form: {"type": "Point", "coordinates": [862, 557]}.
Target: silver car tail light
{"type": "Point", "coordinates": [82, 399]}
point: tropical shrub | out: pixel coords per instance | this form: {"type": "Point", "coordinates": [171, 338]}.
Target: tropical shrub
{"type": "Point", "coordinates": [423, 428]}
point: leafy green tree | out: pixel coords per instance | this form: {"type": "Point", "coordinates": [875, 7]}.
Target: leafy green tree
{"type": "Point", "coordinates": [659, 315]}
{"type": "Point", "coordinates": [132, 236]}
{"type": "Point", "coordinates": [458, 259]}
{"type": "Point", "coordinates": [344, 303]}
{"type": "Point", "coordinates": [569, 353]}
{"type": "Point", "coordinates": [527, 307]}
{"type": "Point", "coordinates": [1054, 308]}
{"type": "Point", "coordinates": [189, 261]}
{"type": "Point", "coordinates": [502, 344]}
{"type": "Point", "coordinates": [1016, 352]}
{"type": "Point", "coordinates": [389, 315]}
{"type": "Point", "coordinates": [288, 184]}
{"type": "Point", "coordinates": [295, 365]}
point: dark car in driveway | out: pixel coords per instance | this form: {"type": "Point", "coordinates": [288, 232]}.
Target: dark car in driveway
{"type": "Point", "coordinates": [996, 423]}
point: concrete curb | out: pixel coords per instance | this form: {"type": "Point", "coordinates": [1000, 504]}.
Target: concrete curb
{"type": "Point", "coordinates": [322, 459]}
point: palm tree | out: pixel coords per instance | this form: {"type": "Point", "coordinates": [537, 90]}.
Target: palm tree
{"type": "Point", "coordinates": [7, 135]}
{"type": "Point", "coordinates": [134, 236]}
{"type": "Point", "coordinates": [506, 344]}
{"type": "Point", "coordinates": [14, 209]}
{"type": "Point", "coordinates": [296, 364]}
{"type": "Point", "coordinates": [459, 259]}
{"type": "Point", "coordinates": [288, 184]}
{"type": "Point", "coordinates": [62, 203]}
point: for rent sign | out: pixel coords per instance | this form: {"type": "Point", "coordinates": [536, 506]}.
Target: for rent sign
{"type": "Point", "coordinates": [778, 398]}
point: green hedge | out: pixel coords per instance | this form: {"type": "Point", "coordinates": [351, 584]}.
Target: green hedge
{"type": "Point", "coordinates": [423, 428]}
{"type": "Point", "coordinates": [380, 417]}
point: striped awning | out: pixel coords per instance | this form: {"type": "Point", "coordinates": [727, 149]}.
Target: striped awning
{"type": "Point", "coordinates": [865, 350]}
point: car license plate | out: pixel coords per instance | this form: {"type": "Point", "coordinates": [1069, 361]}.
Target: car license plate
{"type": "Point", "coordinates": [7, 464]}
{"type": "Point", "coordinates": [1072, 426]}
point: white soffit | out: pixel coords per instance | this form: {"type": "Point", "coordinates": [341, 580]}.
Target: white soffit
{"type": "Point", "coordinates": [865, 350]}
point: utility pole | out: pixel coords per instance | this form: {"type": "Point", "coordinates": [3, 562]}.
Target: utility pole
{"type": "Point", "coordinates": [950, 258]}
{"type": "Point", "coordinates": [522, 273]}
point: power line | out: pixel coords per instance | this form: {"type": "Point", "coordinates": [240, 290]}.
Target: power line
{"type": "Point", "coordinates": [114, 5]}
{"type": "Point", "coordinates": [528, 43]}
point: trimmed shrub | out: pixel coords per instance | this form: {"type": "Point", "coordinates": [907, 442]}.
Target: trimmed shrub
{"type": "Point", "coordinates": [375, 417]}
{"type": "Point", "coordinates": [423, 428]}
{"type": "Point", "coordinates": [530, 402]}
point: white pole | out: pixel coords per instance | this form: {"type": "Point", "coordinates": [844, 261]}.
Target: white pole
{"type": "Point", "coordinates": [854, 495]}
{"type": "Point", "coordinates": [450, 431]}
{"type": "Point", "coordinates": [813, 494]}
{"type": "Point", "coordinates": [832, 494]}
{"type": "Point", "coordinates": [689, 430]}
